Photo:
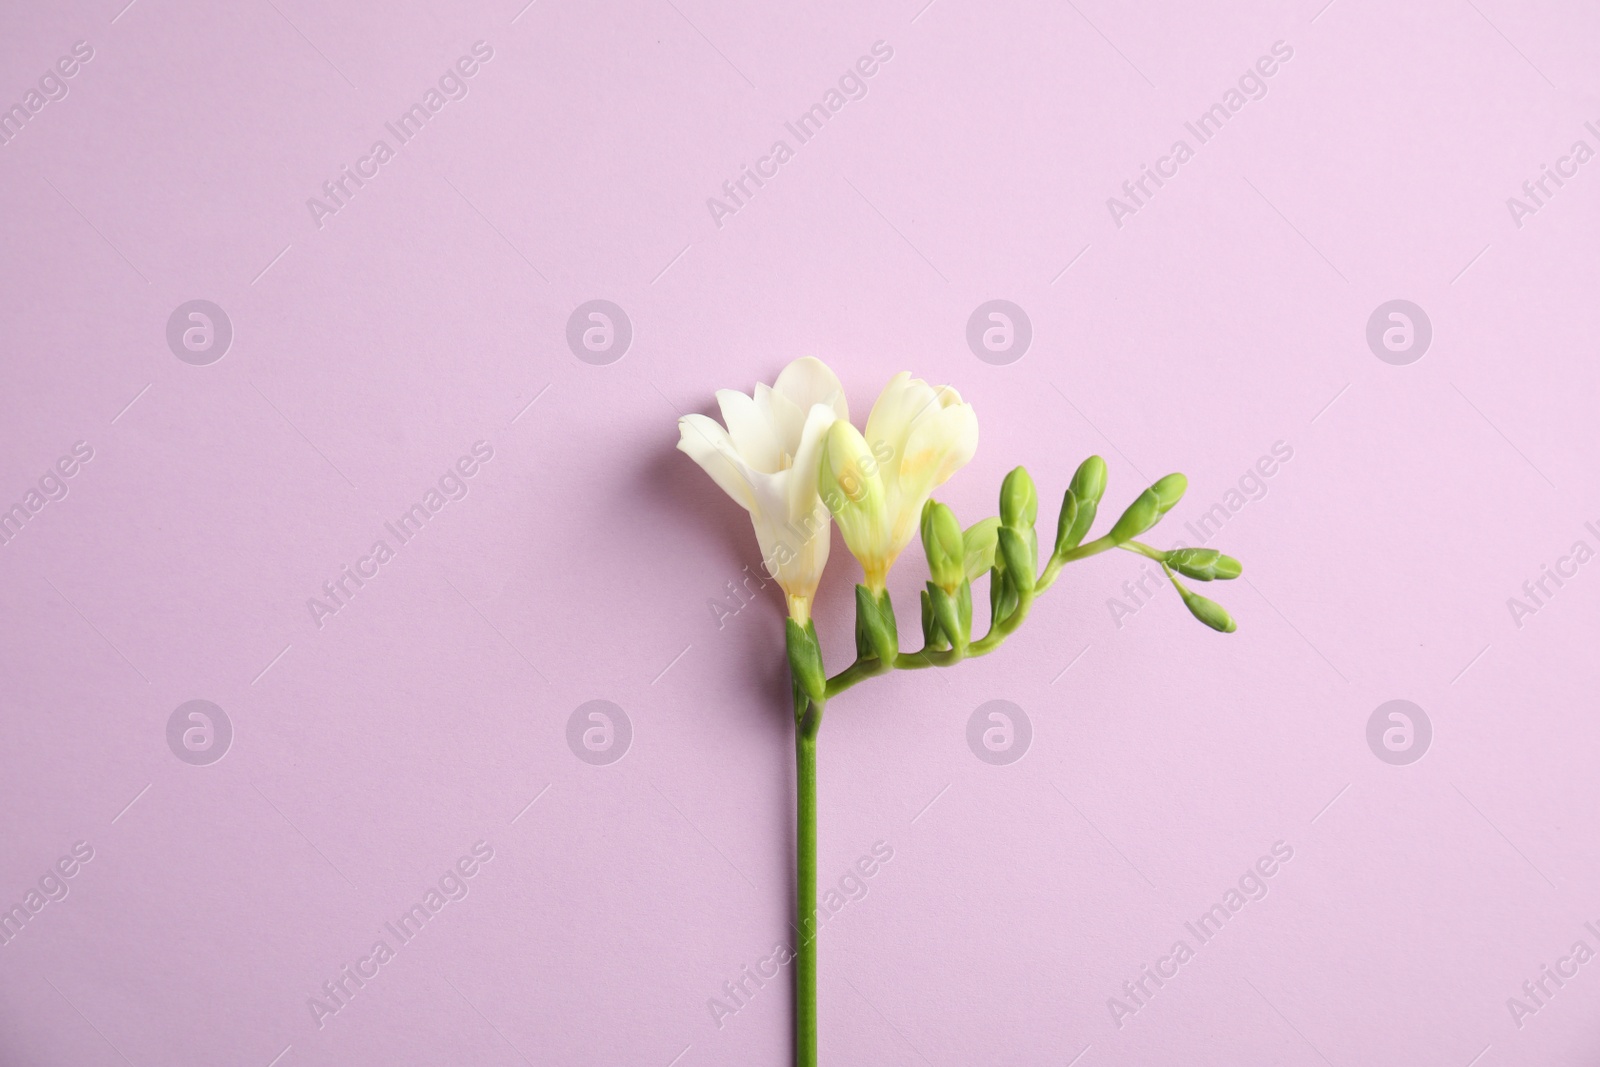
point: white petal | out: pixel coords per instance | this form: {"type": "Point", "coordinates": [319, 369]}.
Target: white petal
{"type": "Point", "coordinates": [752, 432]}
{"type": "Point", "coordinates": [898, 406]}
{"type": "Point", "coordinates": [706, 442]}
{"type": "Point", "coordinates": [771, 493]}
{"type": "Point", "coordinates": [795, 551]}
{"type": "Point", "coordinates": [941, 443]}
{"type": "Point", "coordinates": [807, 460]}
{"type": "Point", "coordinates": [808, 381]}
{"type": "Point", "coordinates": [788, 418]}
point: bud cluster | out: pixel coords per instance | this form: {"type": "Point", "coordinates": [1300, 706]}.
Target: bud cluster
{"type": "Point", "coordinates": [1006, 548]}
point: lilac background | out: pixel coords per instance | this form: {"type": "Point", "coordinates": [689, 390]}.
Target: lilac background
{"type": "Point", "coordinates": [430, 312]}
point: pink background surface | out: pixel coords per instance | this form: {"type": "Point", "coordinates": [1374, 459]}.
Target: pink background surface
{"type": "Point", "coordinates": [371, 752]}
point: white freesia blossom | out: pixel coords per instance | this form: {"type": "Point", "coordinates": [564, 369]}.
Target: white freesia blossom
{"type": "Point", "coordinates": [875, 485]}
{"type": "Point", "coordinates": [767, 460]}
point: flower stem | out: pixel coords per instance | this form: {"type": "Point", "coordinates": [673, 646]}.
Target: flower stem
{"type": "Point", "coordinates": [805, 968]}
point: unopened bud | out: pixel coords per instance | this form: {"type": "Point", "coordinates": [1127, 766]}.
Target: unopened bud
{"type": "Point", "coordinates": [1067, 522]}
{"type": "Point", "coordinates": [1018, 559]}
{"type": "Point", "coordinates": [942, 542]}
{"type": "Point", "coordinates": [1019, 501]}
{"type": "Point", "coordinates": [876, 636]}
{"type": "Point", "coordinates": [946, 614]}
{"type": "Point", "coordinates": [1088, 486]}
{"type": "Point", "coordinates": [1208, 611]}
{"type": "Point", "coordinates": [851, 485]}
{"type": "Point", "coordinates": [805, 660]}
{"type": "Point", "coordinates": [978, 543]}
{"type": "Point", "coordinates": [1170, 490]}
{"type": "Point", "coordinates": [1142, 514]}
{"type": "Point", "coordinates": [933, 637]}
{"type": "Point", "coordinates": [1203, 564]}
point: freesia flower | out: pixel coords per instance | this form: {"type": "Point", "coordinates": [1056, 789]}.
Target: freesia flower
{"type": "Point", "coordinates": [790, 456]}
{"type": "Point", "coordinates": [767, 460]}
{"type": "Point", "coordinates": [875, 484]}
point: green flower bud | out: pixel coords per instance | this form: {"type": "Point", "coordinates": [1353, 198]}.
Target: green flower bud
{"type": "Point", "coordinates": [979, 544]}
{"type": "Point", "coordinates": [943, 543]}
{"type": "Point", "coordinates": [876, 636]}
{"type": "Point", "coordinates": [1197, 563]}
{"type": "Point", "coordinates": [1067, 522]}
{"type": "Point", "coordinates": [964, 608]}
{"type": "Point", "coordinates": [1142, 514]}
{"type": "Point", "coordinates": [1018, 559]}
{"type": "Point", "coordinates": [805, 660]}
{"type": "Point", "coordinates": [1088, 486]}
{"type": "Point", "coordinates": [1203, 564]}
{"type": "Point", "coordinates": [1170, 490]}
{"type": "Point", "coordinates": [1208, 611]}
{"type": "Point", "coordinates": [933, 637]}
{"type": "Point", "coordinates": [1002, 595]}
{"type": "Point", "coordinates": [851, 485]}
{"type": "Point", "coordinates": [1019, 501]}
{"type": "Point", "coordinates": [947, 616]}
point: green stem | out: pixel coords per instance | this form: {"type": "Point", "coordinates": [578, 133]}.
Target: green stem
{"type": "Point", "coordinates": [999, 630]}
{"type": "Point", "coordinates": [805, 968]}
{"type": "Point", "coordinates": [1145, 550]}
{"type": "Point", "coordinates": [1087, 549]}
{"type": "Point", "coordinates": [858, 671]}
